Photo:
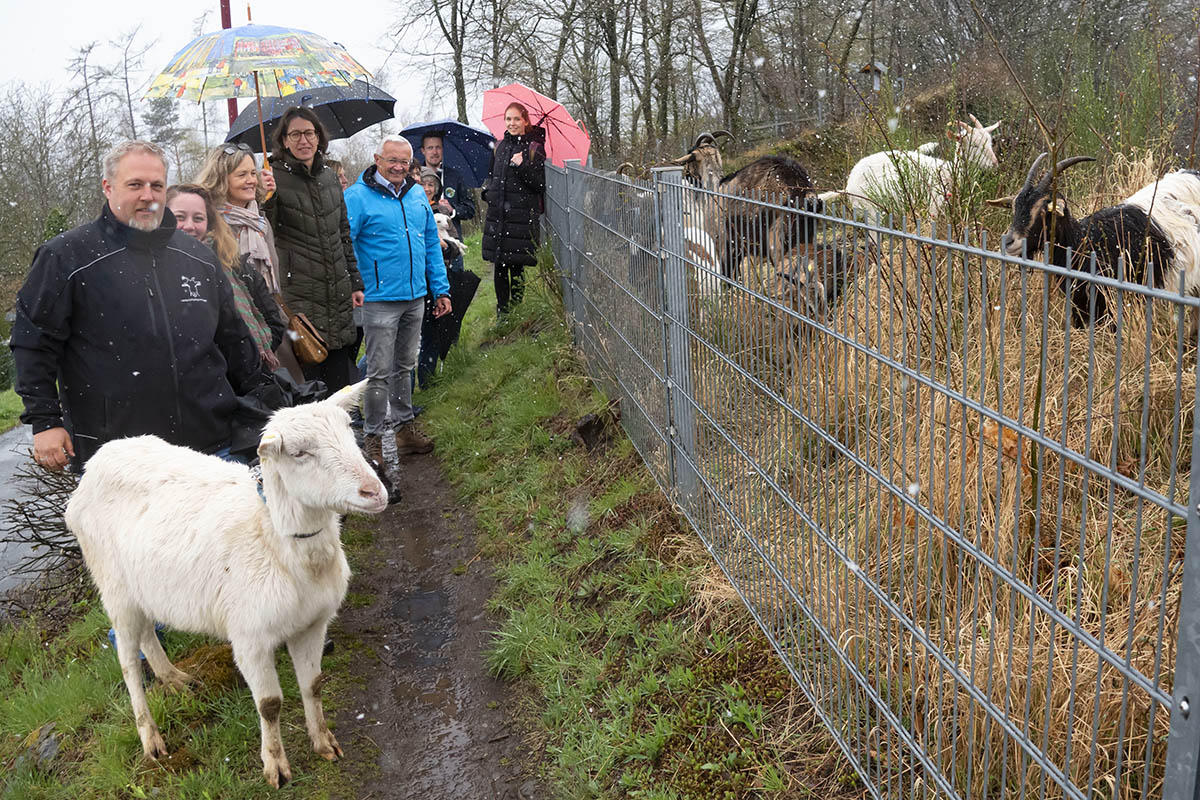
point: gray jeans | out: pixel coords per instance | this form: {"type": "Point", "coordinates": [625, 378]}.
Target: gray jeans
{"type": "Point", "coordinates": [392, 331]}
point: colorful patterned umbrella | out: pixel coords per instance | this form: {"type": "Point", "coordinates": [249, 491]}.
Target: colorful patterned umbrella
{"type": "Point", "coordinates": [234, 62]}
{"type": "Point", "coordinates": [565, 138]}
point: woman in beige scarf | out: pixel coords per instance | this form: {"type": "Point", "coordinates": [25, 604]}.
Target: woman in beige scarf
{"type": "Point", "coordinates": [232, 178]}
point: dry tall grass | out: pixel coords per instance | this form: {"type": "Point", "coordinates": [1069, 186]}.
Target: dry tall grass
{"type": "Point", "coordinates": [934, 569]}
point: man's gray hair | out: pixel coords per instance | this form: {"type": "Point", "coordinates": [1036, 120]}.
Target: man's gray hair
{"type": "Point", "coordinates": [393, 138]}
{"type": "Point", "coordinates": [113, 157]}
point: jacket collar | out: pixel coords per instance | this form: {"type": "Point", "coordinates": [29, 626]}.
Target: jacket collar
{"type": "Point", "coordinates": [368, 180]}
{"type": "Point", "coordinates": [130, 236]}
{"type": "Point", "coordinates": [290, 163]}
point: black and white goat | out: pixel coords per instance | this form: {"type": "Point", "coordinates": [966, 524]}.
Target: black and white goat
{"type": "Point", "coordinates": [1156, 227]}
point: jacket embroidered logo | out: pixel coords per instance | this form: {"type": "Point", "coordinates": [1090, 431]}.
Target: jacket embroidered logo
{"type": "Point", "coordinates": [192, 287]}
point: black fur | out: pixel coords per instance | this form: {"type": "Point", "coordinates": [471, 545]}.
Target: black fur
{"type": "Point", "coordinates": [748, 229]}
{"type": "Point", "coordinates": [1111, 233]}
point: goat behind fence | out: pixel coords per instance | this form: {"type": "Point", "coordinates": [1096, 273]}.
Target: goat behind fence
{"type": "Point", "coordinates": [961, 520]}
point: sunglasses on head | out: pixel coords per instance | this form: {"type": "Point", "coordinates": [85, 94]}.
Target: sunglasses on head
{"type": "Point", "coordinates": [231, 148]}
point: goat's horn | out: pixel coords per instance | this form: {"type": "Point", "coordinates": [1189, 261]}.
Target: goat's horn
{"type": "Point", "coordinates": [625, 165]}
{"type": "Point", "coordinates": [724, 133]}
{"type": "Point", "coordinates": [1037, 162]}
{"type": "Point", "coordinates": [978, 124]}
{"type": "Point", "coordinates": [1061, 166]}
{"type": "Point", "coordinates": [703, 138]}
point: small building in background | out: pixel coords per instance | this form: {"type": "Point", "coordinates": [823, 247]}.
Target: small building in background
{"type": "Point", "coordinates": [876, 70]}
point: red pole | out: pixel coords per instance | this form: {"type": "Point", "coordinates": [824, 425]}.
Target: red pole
{"type": "Point", "coordinates": [227, 22]}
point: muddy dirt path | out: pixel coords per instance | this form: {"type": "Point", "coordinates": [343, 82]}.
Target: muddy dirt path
{"type": "Point", "coordinates": [437, 717]}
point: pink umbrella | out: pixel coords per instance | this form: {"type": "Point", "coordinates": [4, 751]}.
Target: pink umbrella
{"type": "Point", "coordinates": [565, 138]}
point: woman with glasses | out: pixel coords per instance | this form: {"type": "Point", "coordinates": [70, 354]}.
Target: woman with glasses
{"type": "Point", "coordinates": [236, 187]}
{"type": "Point", "coordinates": [317, 270]}
{"type": "Point", "coordinates": [513, 192]}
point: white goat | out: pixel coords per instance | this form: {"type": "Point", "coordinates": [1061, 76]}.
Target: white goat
{"type": "Point", "coordinates": [446, 235]}
{"type": "Point", "coordinates": [173, 535]}
{"type": "Point", "coordinates": [916, 175]}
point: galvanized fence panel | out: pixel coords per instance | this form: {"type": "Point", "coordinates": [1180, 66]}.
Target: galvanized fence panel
{"type": "Point", "coordinates": [962, 520]}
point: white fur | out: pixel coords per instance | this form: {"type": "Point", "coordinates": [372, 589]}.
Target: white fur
{"type": "Point", "coordinates": [1173, 203]}
{"type": "Point", "coordinates": [928, 179]}
{"type": "Point", "coordinates": [446, 235]}
{"type": "Point", "coordinates": [177, 536]}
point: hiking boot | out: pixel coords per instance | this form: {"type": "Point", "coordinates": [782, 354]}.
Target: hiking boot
{"type": "Point", "coordinates": [410, 440]}
{"type": "Point", "coordinates": [373, 448]}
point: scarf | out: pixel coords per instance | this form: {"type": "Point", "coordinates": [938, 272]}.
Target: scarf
{"type": "Point", "coordinates": [250, 228]}
{"type": "Point", "coordinates": [248, 311]}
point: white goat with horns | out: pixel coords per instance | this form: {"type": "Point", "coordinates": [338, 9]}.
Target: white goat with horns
{"type": "Point", "coordinates": [917, 178]}
{"type": "Point", "coordinates": [190, 540]}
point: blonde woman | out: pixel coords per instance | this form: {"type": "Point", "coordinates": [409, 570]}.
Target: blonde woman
{"type": "Point", "coordinates": [235, 185]}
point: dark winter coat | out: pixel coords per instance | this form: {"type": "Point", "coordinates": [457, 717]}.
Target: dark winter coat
{"type": "Point", "coordinates": [514, 198]}
{"type": "Point", "coordinates": [121, 332]}
{"type": "Point", "coordinates": [317, 270]}
{"type": "Point", "coordinates": [458, 194]}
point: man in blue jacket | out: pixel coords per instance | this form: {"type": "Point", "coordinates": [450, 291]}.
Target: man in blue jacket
{"type": "Point", "coordinates": [400, 258]}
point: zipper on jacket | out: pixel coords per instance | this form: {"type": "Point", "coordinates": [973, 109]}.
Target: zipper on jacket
{"type": "Point", "coordinates": [412, 289]}
{"type": "Point", "coordinates": [170, 341]}
{"type": "Point", "coordinates": [377, 274]}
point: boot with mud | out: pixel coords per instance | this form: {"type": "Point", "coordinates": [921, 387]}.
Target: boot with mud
{"type": "Point", "coordinates": [411, 440]}
{"type": "Point", "coordinates": [373, 448]}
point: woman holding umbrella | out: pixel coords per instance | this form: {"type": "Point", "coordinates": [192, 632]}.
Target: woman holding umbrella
{"type": "Point", "coordinates": [513, 192]}
{"type": "Point", "coordinates": [317, 270]}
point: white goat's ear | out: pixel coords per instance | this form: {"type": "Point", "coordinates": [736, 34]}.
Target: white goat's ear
{"type": "Point", "coordinates": [271, 444]}
{"type": "Point", "coordinates": [348, 397]}
{"type": "Point", "coordinates": [1001, 202]}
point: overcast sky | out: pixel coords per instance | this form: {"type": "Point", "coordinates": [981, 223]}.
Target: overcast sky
{"type": "Point", "coordinates": [41, 37]}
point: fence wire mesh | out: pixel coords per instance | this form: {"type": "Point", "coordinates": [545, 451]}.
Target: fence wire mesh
{"type": "Point", "coordinates": [961, 519]}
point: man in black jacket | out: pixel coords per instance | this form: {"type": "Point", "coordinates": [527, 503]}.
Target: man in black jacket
{"type": "Point", "coordinates": [126, 326]}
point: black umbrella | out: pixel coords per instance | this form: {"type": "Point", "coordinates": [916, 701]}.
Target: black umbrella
{"type": "Point", "coordinates": [343, 110]}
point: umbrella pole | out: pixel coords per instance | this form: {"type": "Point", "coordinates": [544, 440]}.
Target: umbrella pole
{"type": "Point", "coordinates": [262, 134]}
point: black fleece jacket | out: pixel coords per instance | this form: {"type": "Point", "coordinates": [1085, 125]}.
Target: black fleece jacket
{"type": "Point", "coordinates": [121, 332]}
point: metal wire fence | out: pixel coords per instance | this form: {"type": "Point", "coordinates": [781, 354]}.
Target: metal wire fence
{"type": "Point", "coordinates": [962, 521]}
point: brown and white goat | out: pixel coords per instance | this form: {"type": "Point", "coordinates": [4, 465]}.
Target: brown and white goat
{"type": "Point", "coordinates": [190, 540]}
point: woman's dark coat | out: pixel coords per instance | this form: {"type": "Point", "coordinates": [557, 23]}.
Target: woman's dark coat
{"type": "Point", "coordinates": [317, 270]}
{"type": "Point", "coordinates": [514, 198]}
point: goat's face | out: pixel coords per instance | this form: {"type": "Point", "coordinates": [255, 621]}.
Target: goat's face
{"type": "Point", "coordinates": [702, 165]}
{"type": "Point", "coordinates": [1034, 215]}
{"type": "Point", "coordinates": [975, 142]}
{"type": "Point", "coordinates": [313, 450]}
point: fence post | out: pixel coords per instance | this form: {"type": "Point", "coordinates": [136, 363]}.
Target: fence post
{"type": "Point", "coordinates": [574, 243]}
{"type": "Point", "coordinates": [1183, 743]}
{"type": "Point", "coordinates": [681, 425]}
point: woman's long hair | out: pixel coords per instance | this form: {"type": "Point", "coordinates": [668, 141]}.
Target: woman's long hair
{"type": "Point", "coordinates": [218, 166]}
{"type": "Point", "coordinates": [223, 242]}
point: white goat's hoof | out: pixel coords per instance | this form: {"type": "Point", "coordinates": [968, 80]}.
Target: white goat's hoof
{"type": "Point", "coordinates": [277, 773]}
{"type": "Point", "coordinates": [177, 684]}
{"type": "Point", "coordinates": [327, 747]}
{"type": "Point", "coordinates": [153, 746]}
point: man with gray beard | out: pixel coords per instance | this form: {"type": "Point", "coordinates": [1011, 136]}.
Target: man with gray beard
{"type": "Point", "coordinates": [126, 326]}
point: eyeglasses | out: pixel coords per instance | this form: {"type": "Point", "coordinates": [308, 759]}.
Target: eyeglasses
{"type": "Point", "coordinates": [397, 162]}
{"type": "Point", "coordinates": [295, 136]}
{"type": "Point", "coordinates": [230, 149]}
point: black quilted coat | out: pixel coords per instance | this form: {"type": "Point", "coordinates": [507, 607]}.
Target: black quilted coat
{"type": "Point", "coordinates": [514, 198]}
{"type": "Point", "coordinates": [317, 270]}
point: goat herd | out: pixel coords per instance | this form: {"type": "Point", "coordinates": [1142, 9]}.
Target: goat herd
{"type": "Point", "coordinates": [1158, 227]}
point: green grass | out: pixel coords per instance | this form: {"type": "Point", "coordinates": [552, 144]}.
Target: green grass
{"type": "Point", "coordinates": [628, 693]}
{"type": "Point", "coordinates": [73, 680]}
{"type": "Point", "coordinates": [10, 409]}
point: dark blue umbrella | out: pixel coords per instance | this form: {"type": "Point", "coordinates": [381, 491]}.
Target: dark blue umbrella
{"type": "Point", "coordinates": [343, 110]}
{"type": "Point", "coordinates": [466, 150]}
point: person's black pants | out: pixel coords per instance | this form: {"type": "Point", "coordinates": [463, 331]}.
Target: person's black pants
{"type": "Point", "coordinates": [510, 286]}
{"type": "Point", "coordinates": [337, 370]}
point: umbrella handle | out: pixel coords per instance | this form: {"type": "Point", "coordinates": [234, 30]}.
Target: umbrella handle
{"type": "Point", "coordinates": [262, 134]}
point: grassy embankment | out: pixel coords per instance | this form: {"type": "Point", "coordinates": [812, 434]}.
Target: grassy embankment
{"type": "Point", "coordinates": [635, 674]}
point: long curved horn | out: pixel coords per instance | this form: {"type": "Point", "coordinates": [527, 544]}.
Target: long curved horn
{"type": "Point", "coordinates": [625, 165]}
{"type": "Point", "coordinates": [1060, 168]}
{"type": "Point", "coordinates": [706, 136]}
{"type": "Point", "coordinates": [724, 133]}
{"type": "Point", "coordinates": [978, 124]}
{"type": "Point", "coordinates": [1037, 162]}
